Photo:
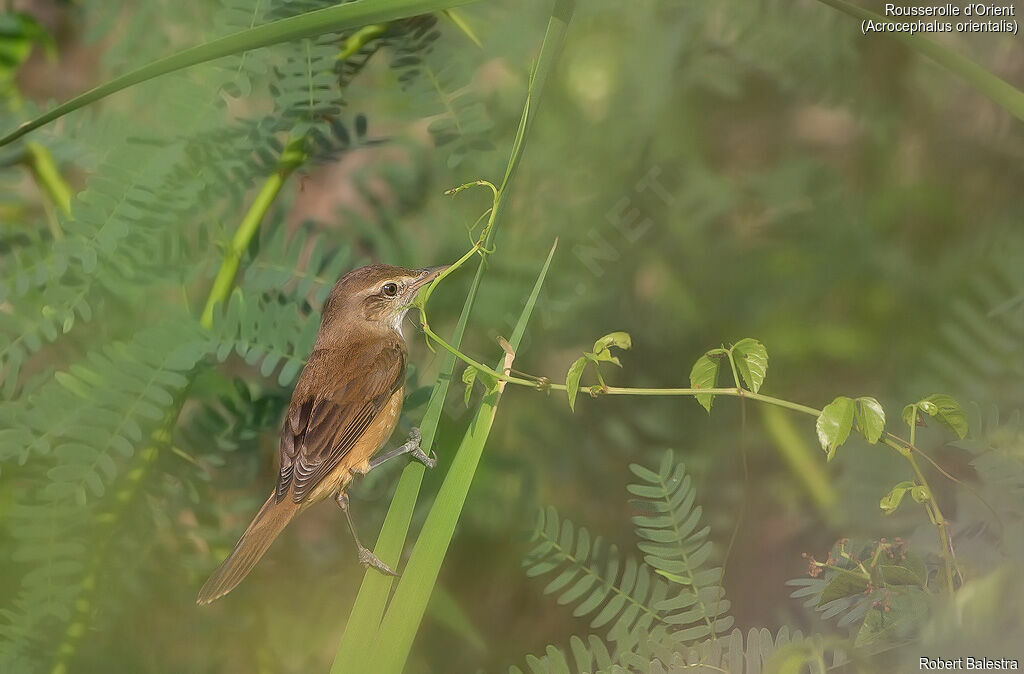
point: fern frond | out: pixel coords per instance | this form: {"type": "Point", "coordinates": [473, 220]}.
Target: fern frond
{"type": "Point", "coordinates": [263, 332]}
{"type": "Point", "coordinates": [752, 655]}
{"type": "Point", "coordinates": [675, 545]}
{"type": "Point", "coordinates": [672, 599]}
{"type": "Point", "coordinates": [735, 653]}
{"type": "Point", "coordinates": [87, 421]}
{"type": "Point", "coordinates": [979, 352]}
{"type": "Point", "coordinates": [589, 656]}
{"type": "Point", "coordinates": [434, 74]}
{"type": "Point", "coordinates": [98, 408]}
{"type": "Point", "coordinates": [616, 593]}
{"type": "Point", "coordinates": [28, 323]}
{"type": "Point", "coordinates": [304, 266]}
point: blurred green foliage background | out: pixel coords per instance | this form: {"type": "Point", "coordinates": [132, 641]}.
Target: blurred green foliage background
{"type": "Point", "coordinates": [713, 171]}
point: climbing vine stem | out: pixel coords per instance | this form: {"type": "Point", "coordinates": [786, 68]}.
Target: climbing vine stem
{"type": "Point", "coordinates": [904, 448]}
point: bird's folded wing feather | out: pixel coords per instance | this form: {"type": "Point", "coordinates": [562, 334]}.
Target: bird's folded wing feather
{"type": "Point", "coordinates": [333, 405]}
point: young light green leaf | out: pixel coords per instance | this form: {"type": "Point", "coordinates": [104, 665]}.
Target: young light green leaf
{"type": "Point", "coordinates": [604, 356]}
{"type": "Point", "coordinates": [752, 362]}
{"type": "Point", "coordinates": [947, 412]}
{"type": "Point", "coordinates": [602, 352]}
{"type": "Point", "coordinates": [909, 415]}
{"type": "Point", "coordinates": [891, 501]}
{"type": "Point", "coordinates": [705, 375]}
{"type": "Point", "coordinates": [619, 339]}
{"type": "Point", "coordinates": [834, 424]}
{"type": "Point", "coordinates": [468, 377]}
{"type": "Point", "coordinates": [572, 380]}
{"type": "Point", "coordinates": [870, 418]}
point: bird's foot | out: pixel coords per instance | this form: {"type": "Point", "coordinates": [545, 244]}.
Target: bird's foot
{"type": "Point", "coordinates": [421, 456]}
{"type": "Point", "coordinates": [410, 447]}
{"type": "Point", "coordinates": [367, 558]}
{"type": "Point", "coordinates": [413, 449]}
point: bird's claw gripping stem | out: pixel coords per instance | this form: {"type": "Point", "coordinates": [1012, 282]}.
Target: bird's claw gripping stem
{"type": "Point", "coordinates": [368, 559]}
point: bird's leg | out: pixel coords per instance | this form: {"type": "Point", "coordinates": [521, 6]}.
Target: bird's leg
{"type": "Point", "coordinates": [411, 447]}
{"type": "Point", "coordinates": [366, 558]}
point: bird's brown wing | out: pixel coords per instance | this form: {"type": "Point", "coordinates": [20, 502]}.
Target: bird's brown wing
{"type": "Point", "coordinates": [334, 403]}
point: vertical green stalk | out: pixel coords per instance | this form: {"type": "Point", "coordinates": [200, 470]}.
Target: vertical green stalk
{"type": "Point", "coordinates": [40, 163]}
{"type": "Point", "coordinates": [292, 157]}
{"type": "Point", "coordinates": [44, 170]}
{"type": "Point", "coordinates": [935, 514]}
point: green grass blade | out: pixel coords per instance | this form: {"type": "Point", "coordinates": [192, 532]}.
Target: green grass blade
{"type": "Point", "coordinates": [368, 608]}
{"type": "Point", "coordinates": [402, 620]}
{"type": "Point", "coordinates": [354, 651]}
{"type": "Point", "coordinates": [996, 88]}
{"type": "Point", "coordinates": [340, 17]}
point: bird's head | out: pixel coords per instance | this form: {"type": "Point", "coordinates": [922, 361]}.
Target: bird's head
{"type": "Point", "coordinates": [373, 298]}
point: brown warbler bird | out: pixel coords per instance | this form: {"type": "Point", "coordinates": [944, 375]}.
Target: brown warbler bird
{"type": "Point", "coordinates": [344, 408]}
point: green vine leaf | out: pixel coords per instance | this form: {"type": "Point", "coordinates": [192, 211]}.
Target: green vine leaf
{"type": "Point", "coordinates": [870, 418]}
{"type": "Point", "coordinates": [572, 380]}
{"type": "Point", "coordinates": [601, 351]}
{"type": "Point", "coordinates": [751, 361]}
{"type": "Point", "coordinates": [891, 501]}
{"type": "Point", "coordinates": [909, 415]}
{"type": "Point", "coordinates": [897, 623]}
{"type": "Point", "coordinates": [946, 411]}
{"type": "Point", "coordinates": [846, 583]}
{"type": "Point", "coordinates": [705, 375]}
{"type": "Point", "coordinates": [468, 377]}
{"type": "Point", "coordinates": [834, 424]}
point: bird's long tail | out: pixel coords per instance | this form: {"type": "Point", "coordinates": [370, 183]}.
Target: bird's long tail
{"type": "Point", "coordinates": [268, 523]}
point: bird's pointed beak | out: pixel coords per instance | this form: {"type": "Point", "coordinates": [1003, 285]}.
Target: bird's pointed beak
{"type": "Point", "coordinates": [426, 275]}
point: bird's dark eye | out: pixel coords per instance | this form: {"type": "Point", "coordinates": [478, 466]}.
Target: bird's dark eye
{"type": "Point", "coordinates": [389, 290]}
